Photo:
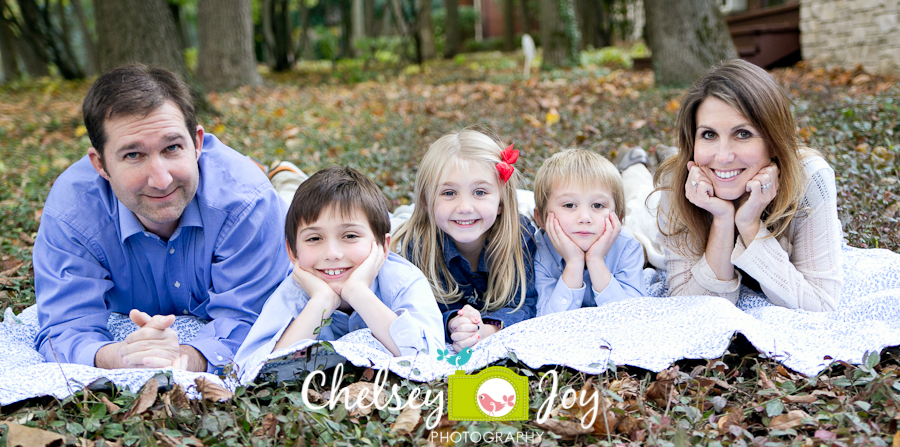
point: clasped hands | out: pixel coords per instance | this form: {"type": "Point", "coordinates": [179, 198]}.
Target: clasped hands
{"type": "Point", "coordinates": [153, 345]}
{"type": "Point", "coordinates": [763, 188]}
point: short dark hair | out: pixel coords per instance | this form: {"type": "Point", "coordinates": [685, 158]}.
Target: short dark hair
{"type": "Point", "coordinates": [133, 90]}
{"type": "Point", "coordinates": [346, 189]}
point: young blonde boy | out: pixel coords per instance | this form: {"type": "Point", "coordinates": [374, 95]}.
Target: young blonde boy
{"type": "Point", "coordinates": [584, 256]}
{"type": "Point", "coordinates": [337, 238]}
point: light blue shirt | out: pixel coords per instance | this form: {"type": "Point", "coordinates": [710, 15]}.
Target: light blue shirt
{"type": "Point", "coordinates": [93, 257]}
{"type": "Point", "coordinates": [625, 261]}
{"type": "Point", "coordinates": [400, 285]}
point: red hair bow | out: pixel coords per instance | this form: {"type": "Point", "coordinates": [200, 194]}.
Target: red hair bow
{"type": "Point", "coordinates": [505, 167]}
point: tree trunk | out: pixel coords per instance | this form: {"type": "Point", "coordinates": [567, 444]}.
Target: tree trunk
{"type": "Point", "coordinates": [225, 58]}
{"type": "Point", "coordinates": [451, 28]}
{"type": "Point", "coordinates": [591, 23]}
{"type": "Point", "coordinates": [90, 46]}
{"type": "Point", "coordinates": [346, 28]}
{"type": "Point", "coordinates": [509, 25]}
{"type": "Point", "coordinates": [559, 33]}
{"type": "Point", "coordinates": [526, 17]}
{"type": "Point", "coordinates": [686, 38]}
{"type": "Point", "coordinates": [358, 19]}
{"type": "Point", "coordinates": [399, 19]}
{"type": "Point", "coordinates": [8, 47]}
{"type": "Point", "coordinates": [130, 31]}
{"type": "Point", "coordinates": [35, 63]}
{"type": "Point", "coordinates": [180, 34]}
{"type": "Point", "coordinates": [425, 29]}
{"type": "Point", "coordinates": [369, 18]}
{"type": "Point", "coordinates": [303, 49]}
{"type": "Point", "coordinates": [65, 36]}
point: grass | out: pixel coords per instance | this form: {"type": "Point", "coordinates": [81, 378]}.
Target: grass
{"type": "Point", "coordinates": [381, 123]}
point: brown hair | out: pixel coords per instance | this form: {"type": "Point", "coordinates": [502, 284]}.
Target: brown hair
{"type": "Point", "coordinates": [579, 167]}
{"type": "Point", "coordinates": [133, 90]}
{"type": "Point", "coordinates": [345, 189]}
{"type": "Point", "coordinates": [754, 93]}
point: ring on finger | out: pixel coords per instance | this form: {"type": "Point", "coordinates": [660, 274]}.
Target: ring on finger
{"type": "Point", "coordinates": [693, 183]}
{"type": "Point", "coordinates": [766, 186]}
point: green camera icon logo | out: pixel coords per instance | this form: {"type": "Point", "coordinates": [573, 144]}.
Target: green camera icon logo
{"type": "Point", "coordinates": [495, 394]}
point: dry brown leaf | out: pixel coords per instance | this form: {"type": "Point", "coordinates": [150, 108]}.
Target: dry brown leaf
{"type": "Point", "coordinates": [567, 429]}
{"type": "Point", "coordinates": [269, 426]}
{"type": "Point", "coordinates": [792, 419]}
{"type": "Point", "coordinates": [85, 443]}
{"type": "Point", "coordinates": [20, 435]}
{"type": "Point", "coordinates": [178, 397]}
{"type": "Point", "coordinates": [167, 440]}
{"type": "Point", "coordinates": [734, 418]}
{"type": "Point", "coordinates": [805, 399]}
{"type": "Point", "coordinates": [145, 400]}
{"type": "Point", "coordinates": [408, 419]}
{"type": "Point", "coordinates": [26, 238]}
{"type": "Point", "coordinates": [824, 393]}
{"type": "Point", "coordinates": [362, 406]}
{"type": "Point", "coordinates": [12, 270]}
{"type": "Point", "coordinates": [764, 381]}
{"type": "Point", "coordinates": [212, 391]}
{"type": "Point", "coordinates": [662, 391]}
{"type": "Point", "coordinates": [110, 407]}
{"type": "Point", "coordinates": [896, 441]}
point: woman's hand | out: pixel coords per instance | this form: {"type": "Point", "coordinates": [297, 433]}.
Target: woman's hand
{"type": "Point", "coordinates": [762, 188]}
{"type": "Point", "coordinates": [699, 190]}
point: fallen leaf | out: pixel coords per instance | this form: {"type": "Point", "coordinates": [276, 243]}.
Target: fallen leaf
{"type": "Point", "coordinates": [145, 400]}
{"type": "Point", "coordinates": [110, 407]}
{"type": "Point", "coordinates": [861, 79]}
{"type": "Point", "coordinates": [896, 441]}
{"type": "Point", "coordinates": [638, 124]}
{"type": "Point", "coordinates": [734, 418]}
{"type": "Point", "coordinates": [805, 399]}
{"type": "Point", "coordinates": [20, 435]}
{"type": "Point", "coordinates": [765, 382]}
{"type": "Point", "coordinates": [212, 391]}
{"type": "Point", "coordinates": [80, 131]}
{"type": "Point", "coordinates": [568, 430]}
{"type": "Point", "coordinates": [673, 106]}
{"type": "Point", "coordinates": [408, 419]}
{"type": "Point", "coordinates": [552, 117]}
{"type": "Point", "coordinates": [178, 397]}
{"type": "Point", "coordinates": [26, 238]}
{"type": "Point", "coordinates": [826, 435]}
{"type": "Point", "coordinates": [269, 425]}
{"type": "Point", "coordinates": [792, 419]}
{"type": "Point", "coordinates": [10, 271]}
{"type": "Point", "coordinates": [364, 405]}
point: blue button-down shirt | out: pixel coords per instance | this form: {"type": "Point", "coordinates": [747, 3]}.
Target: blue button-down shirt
{"type": "Point", "coordinates": [625, 261]}
{"type": "Point", "coordinates": [92, 257]}
{"type": "Point", "coordinates": [473, 285]}
{"type": "Point", "coordinates": [400, 285]}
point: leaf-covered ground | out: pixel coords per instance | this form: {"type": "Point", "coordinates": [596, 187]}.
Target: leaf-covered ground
{"type": "Point", "coordinates": [316, 117]}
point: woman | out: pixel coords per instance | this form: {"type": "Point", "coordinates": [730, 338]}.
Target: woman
{"type": "Point", "coordinates": [743, 202]}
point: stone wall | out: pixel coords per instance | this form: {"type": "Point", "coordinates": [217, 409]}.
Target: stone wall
{"type": "Point", "coordinates": [849, 32]}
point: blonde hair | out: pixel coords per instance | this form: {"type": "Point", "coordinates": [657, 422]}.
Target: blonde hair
{"type": "Point", "coordinates": [579, 167]}
{"type": "Point", "coordinates": [422, 241]}
{"type": "Point", "coordinates": [755, 94]}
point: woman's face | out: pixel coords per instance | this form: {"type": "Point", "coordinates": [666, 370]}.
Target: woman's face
{"type": "Point", "coordinates": [727, 148]}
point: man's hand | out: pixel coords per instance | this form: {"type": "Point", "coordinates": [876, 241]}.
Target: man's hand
{"type": "Point", "coordinates": [154, 345]}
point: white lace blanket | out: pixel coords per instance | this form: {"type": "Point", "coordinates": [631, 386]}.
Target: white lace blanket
{"type": "Point", "coordinates": [650, 333]}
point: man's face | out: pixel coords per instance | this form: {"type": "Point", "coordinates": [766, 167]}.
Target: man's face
{"type": "Point", "coordinates": [151, 165]}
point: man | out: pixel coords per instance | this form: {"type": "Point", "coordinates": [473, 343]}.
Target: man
{"type": "Point", "coordinates": [157, 220]}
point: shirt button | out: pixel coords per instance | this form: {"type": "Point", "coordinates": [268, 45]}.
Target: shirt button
{"type": "Point", "coordinates": [564, 301]}
{"type": "Point", "coordinates": [177, 284]}
{"type": "Point", "coordinates": [219, 358]}
{"type": "Point", "coordinates": [146, 234]}
{"type": "Point", "coordinates": [171, 250]}
{"type": "Point", "coordinates": [185, 311]}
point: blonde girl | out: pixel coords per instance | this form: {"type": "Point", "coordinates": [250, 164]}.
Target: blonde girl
{"type": "Point", "coordinates": [468, 237]}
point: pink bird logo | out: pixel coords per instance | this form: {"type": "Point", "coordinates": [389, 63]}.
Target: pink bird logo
{"type": "Point", "coordinates": [490, 405]}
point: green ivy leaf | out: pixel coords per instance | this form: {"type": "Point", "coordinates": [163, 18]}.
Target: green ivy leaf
{"type": "Point", "coordinates": [774, 408]}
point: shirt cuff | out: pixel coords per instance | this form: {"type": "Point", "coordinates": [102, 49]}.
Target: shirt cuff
{"type": "Point", "coordinates": [87, 355]}
{"type": "Point", "coordinates": [611, 293]}
{"type": "Point", "coordinates": [216, 354]}
{"type": "Point", "coordinates": [707, 279]}
{"type": "Point", "coordinates": [407, 334]}
{"type": "Point", "coordinates": [740, 248]}
{"type": "Point", "coordinates": [562, 298]}
{"type": "Point", "coordinates": [506, 317]}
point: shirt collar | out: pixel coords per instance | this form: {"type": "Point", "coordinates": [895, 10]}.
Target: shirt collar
{"type": "Point", "coordinates": [451, 252]}
{"type": "Point", "coordinates": [129, 224]}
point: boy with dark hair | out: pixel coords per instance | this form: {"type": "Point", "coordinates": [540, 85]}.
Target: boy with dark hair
{"type": "Point", "coordinates": [337, 238]}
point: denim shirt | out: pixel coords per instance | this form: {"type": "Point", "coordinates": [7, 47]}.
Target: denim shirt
{"type": "Point", "coordinates": [474, 284]}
